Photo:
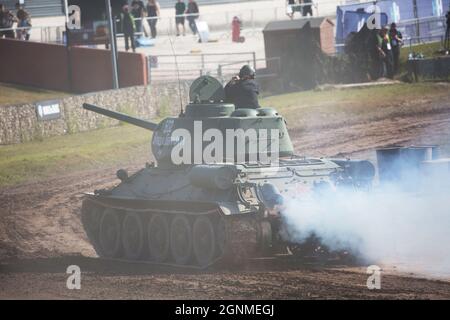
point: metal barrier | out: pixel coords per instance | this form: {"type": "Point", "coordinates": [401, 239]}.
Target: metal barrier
{"type": "Point", "coordinates": [423, 30]}
{"type": "Point", "coordinates": [271, 69]}
{"type": "Point", "coordinates": [190, 66]}
{"type": "Point", "coordinates": [47, 34]}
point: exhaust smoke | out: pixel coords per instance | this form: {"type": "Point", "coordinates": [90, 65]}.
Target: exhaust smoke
{"type": "Point", "coordinates": [387, 226]}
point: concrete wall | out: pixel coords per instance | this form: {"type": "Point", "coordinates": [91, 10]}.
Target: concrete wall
{"type": "Point", "coordinates": [91, 69]}
{"type": "Point", "coordinates": [79, 69]}
{"type": "Point", "coordinates": [34, 64]}
{"type": "Point", "coordinates": [19, 123]}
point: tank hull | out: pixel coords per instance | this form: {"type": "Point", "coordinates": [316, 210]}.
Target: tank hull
{"type": "Point", "coordinates": [199, 216]}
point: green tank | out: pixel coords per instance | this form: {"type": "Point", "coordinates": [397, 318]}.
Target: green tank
{"type": "Point", "coordinates": [198, 213]}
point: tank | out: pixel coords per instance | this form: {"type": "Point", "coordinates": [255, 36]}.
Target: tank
{"type": "Point", "coordinates": [198, 213]}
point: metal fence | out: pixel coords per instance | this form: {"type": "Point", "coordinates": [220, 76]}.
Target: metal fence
{"type": "Point", "coordinates": [423, 30]}
{"type": "Point", "coordinates": [190, 66]}
{"type": "Point", "coordinates": [219, 65]}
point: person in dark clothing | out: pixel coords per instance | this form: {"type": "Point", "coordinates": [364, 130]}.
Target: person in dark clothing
{"type": "Point", "coordinates": [243, 90]}
{"type": "Point", "coordinates": [307, 9]}
{"type": "Point", "coordinates": [180, 9]}
{"type": "Point", "coordinates": [192, 12]}
{"type": "Point", "coordinates": [23, 22]}
{"type": "Point", "coordinates": [128, 27]}
{"type": "Point", "coordinates": [137, 11]}
{"type": "Point", "coordinates": [447, 32]}
{"type": "Point", "coordinates": [153, 13]}
{"type": "Point", "coordinates": [6, 22]}
{"type": "Point", "coordinates": [396, 43]}
{"type": "Point", "coordinates": [290, 8]}
{"type": "Point", "coordinates": [385, 54]}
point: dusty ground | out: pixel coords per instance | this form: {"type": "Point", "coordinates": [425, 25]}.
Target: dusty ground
{"type": "Point", "coordinates": [41, 234]}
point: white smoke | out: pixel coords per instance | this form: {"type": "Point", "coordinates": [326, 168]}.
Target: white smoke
{"type": "Point", "coordinates": [385, 226]}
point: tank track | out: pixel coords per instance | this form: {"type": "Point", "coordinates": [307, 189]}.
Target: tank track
{"type": "Point", "coordinates": [235, 237]}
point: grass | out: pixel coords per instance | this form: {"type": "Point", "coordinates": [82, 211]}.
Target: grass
{"type": "Point", "coordinates": [366, 103]}
{"type": "Point", "coordinates": [315, 111]}
{"type": "Point", "coordinates": [128, 144]}
{"type": "Point", "coordinates": [71, 153]}
{"type": "Point", "coordinates": [15, 94]}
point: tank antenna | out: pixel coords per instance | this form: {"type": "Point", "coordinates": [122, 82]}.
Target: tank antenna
{"type": "Point", "coordinates": [178, 75]}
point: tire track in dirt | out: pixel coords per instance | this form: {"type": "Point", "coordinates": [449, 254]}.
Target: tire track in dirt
{"type": "Point", "coordinates": [42, 219]}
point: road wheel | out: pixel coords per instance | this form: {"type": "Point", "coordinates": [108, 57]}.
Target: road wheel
{"type": "Point", "coordinates": [133, 237]}
{"type": "Point", "coordinates": [181, 239]}
{"type": "Point", "coordinates": [204, 241]}
{"type": "Point", "coordinates": [91, 216]}
{"type": "Point", "coordinates": [110, 234]}
{"type": "Point", "coordinates": [158, 238]}
{"type": "Point", "coordinates": [221, 236]}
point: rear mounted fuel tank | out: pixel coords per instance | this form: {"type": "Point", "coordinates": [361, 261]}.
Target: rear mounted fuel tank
{"type": "Point", "coordinates": [403, 165]}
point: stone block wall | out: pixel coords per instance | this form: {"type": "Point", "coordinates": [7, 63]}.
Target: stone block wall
{"type": "Point", "coordinates": [19, 123]}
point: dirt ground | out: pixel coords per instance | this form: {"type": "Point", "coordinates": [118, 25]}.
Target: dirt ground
{"type": "Point", "coordinates": [41, 235]}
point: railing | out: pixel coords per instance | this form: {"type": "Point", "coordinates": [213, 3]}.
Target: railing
{"type": "Point", "coordinates": [419, 30]}
{"type": "Point", "coordinates": [269, 68]}
{"type": "Point", "coordinates": [190, 66]}
{"type": "Point", "coordinates": [163, 68]}
{"type": "Point", "coordinates": [47, 34]}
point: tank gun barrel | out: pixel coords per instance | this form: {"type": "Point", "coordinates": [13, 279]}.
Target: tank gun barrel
{"type": "Point", "coordinates": [122, 117]}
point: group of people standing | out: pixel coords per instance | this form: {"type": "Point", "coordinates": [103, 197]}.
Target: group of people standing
{"type": "Point", "coordinates": [190, 12]}
{"type": "Point", "coordinates": [132, 18]}
{"type": "Point", "coordinates": [150, 12]}
{"type": "Point", "coordinates": [304, 7]}
{"type": "Point", "coordinates": [7, 20]}
{"type": "Point", "coordinates": [389, 42]}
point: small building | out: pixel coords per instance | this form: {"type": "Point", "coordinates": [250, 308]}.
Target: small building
{"type": "Point", "coordinates": [288, 32]}
{"type": "Point", "coordinates": [297, 46]}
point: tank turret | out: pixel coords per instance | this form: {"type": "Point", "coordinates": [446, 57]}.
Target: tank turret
{"type": "Point", "coordinates": [206, 120]}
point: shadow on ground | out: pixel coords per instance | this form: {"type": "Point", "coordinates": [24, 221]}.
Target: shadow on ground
{"type": "Point", "coordinates": [107, 267]}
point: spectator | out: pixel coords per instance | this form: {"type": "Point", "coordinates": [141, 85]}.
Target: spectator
{"type": "Point", "coordinates": [192, 12]}
{"type": "Point", "coordinates": [7, 20]}
{"type": "Point", "coordinates": [23, 21]}
{"type": "Point", "coordinates": [385, 54]}
{"type": "Point", "coordinates": [307, 9]}
{"type": "Point", "coordinates": [153, 12]}
{"type": "Point", "coordinates": [290, 8]}
{"type": "Point", "coordinates": [447, 33]}
{"type": "Point", "coordinates": [396, 43]}
{"type": "Point", "coordinates": [180, 9]}
{"type": "Point", "coordinates": [137, 11]}
{"type": "Point", "coordinates": [128, 27]}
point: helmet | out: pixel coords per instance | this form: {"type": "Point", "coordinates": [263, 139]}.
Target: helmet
{"type": "Point", "coordinates": [247, 71]}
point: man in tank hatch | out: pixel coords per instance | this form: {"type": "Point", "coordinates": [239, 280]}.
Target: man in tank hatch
{"type": "Point", "coordinates": [243, 90]}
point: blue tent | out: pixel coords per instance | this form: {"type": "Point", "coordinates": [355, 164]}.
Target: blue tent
{"type": "Point", "coordinates": [354, 21]}
{"type": "Point", "coordinates": [396, 11]}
